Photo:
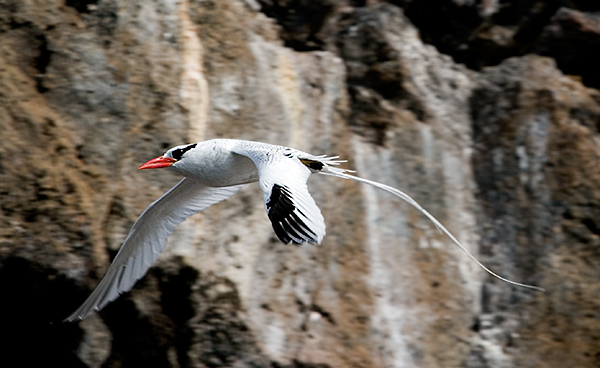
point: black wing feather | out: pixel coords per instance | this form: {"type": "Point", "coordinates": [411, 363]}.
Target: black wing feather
{"type": "Point", "coordinates": [284, 216]}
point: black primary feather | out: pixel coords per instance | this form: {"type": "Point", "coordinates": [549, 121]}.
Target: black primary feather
{"type": "Point", "coordinates": [288, 225]}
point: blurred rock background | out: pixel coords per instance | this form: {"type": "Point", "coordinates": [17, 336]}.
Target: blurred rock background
{"type": "Point", "coordinates": [487, 112]}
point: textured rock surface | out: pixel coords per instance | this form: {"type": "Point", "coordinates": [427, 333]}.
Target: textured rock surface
{"type": "Point", "coordinates": [536, 169]}
{"type": "Point", "coordinates": [506, 156]}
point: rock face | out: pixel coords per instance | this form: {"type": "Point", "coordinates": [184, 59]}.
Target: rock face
{"type": "Point", "coordinates": [505, 154]}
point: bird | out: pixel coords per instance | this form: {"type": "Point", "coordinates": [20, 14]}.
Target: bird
{"type": "Point", "coordinates": [213, 171]}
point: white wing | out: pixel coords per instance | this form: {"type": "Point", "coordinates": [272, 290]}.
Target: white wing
{"type": "Point", "coordinates": [293, 212]}
{"type": "Point", "coordinates": [147, 239]}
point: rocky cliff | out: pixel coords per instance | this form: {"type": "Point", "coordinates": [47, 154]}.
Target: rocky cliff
{"type": "Point", "coordinates": [486, 112]}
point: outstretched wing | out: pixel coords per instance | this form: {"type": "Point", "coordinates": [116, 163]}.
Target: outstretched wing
{"type": "Point", "coordinates": [293, 212]}
{"type": "Point", "coordinates": [147, 239]}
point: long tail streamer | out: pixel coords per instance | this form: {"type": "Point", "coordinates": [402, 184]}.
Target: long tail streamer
{"type": "Point", "coordinates": [340, 173]}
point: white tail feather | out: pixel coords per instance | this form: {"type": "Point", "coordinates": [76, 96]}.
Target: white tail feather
{"type": "Point", "coordinates": [340, 173]}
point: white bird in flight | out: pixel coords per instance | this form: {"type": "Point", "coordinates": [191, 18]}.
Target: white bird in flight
{"type": "Point", "coordinates": [215, 170]}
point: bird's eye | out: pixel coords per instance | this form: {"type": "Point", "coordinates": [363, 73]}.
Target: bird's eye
{"type": "Point", "coordinates": [177, 153]}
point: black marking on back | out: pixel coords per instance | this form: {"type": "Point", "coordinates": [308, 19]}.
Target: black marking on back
{"type": "Point", "coordinates": [176, 154]}
{"type": "Point", "coordinates": [312, 164]}
{"type": "Point", "coordinates": [289, 227]}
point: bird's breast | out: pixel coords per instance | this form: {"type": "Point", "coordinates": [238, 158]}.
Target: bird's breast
{"type": "Point", "coordinates": [220, 169]}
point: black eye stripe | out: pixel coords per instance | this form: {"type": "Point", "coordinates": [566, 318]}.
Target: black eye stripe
{"type": "Point", "coordinates": [176, 154]}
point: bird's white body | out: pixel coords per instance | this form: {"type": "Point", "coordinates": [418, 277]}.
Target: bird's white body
{"type": "Point", "coordinates": [213, 171]}
{"type": "Point", "coordinates": [213, 163]}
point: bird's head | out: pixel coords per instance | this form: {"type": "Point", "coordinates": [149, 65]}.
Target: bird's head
{"type": "Point", "coordinates": [170, 157]}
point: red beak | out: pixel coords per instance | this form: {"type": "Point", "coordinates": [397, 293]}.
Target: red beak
{"type": "Point", "coordinates": [157, 163]}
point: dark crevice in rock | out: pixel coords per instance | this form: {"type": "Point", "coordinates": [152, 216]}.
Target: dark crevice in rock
{"type": "Point", "coordinates": [479, 34]}
{"type": "Point", "coordinates": [366, 118]}
{"type": "Point", "coordinates": [446, 24]}
{"type": "Point", "coordinates": [42, 61]}
{"type": "Point", "coordinates": [375, 75]}
{"type": "Point", "coordinates": [105, 20]}
{"type": "Point", "coordinates": [82, 6]}
{"type": "Point", "coordinates": [301, 21]}
{"type": "Point", "coordinates": [138, 339]}
{"type": "Point", "coordinates": [300, 364]}
{"type": "Point", "coordinates": [33, 296]}
{"type": "Point", "coordinates": [591, 225]}
{"type": "Point", "coordinates": [477, 39]}
{"type": "Point", "coordinates": [572, 38]}
{"type": "Point", "coordinates": [177, 304]}
{"type": "Point", "coordinates": [177, 292]}
{"type": "Point", "coordinates": [36, 52]}
{"type": "Point", "coordinates": [328, 316]}
{"type": "Point", "coordinates": [221, 338]}
{"type": "Point", "coordinates": [206, 326]}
